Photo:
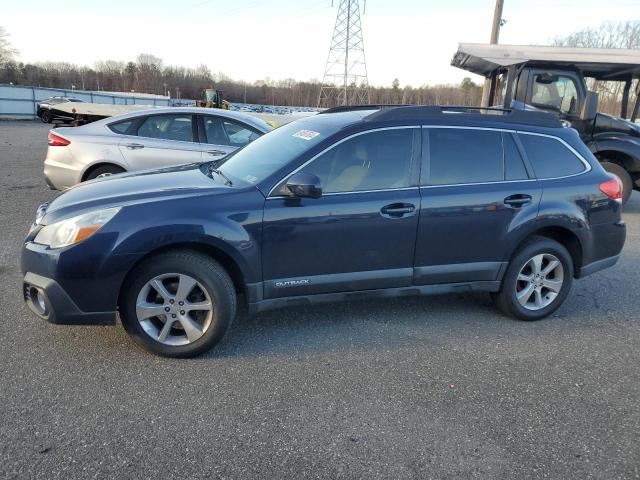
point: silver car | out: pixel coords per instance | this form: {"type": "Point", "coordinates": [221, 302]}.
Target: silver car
{"type": "Point", "coordinates": [146, 139]}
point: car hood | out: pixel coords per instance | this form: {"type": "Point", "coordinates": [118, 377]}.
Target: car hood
{"type": "Point", "coordinates": [610, 124]}
{"type": "Point", "coordinates": [132, 188]}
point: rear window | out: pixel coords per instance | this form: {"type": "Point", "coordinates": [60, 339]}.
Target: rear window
{"type": "Point", "coordinates": [549, 157]}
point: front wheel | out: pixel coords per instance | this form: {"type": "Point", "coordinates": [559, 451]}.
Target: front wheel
{"type": "Point", "coordinates": [45, 117]}
{"type": "Point", "coordinates": [537, 281]}
{"type": "Point", "coordinates": [178, 304]}
{"type": "Point", "coordinates": [623, 178]}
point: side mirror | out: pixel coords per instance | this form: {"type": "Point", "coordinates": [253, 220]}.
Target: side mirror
{"type": "Point", "coordinates": [305, 185]}
{"type": "Point", "coordinates": [546, 78]}
{"type": "Point", "coordinates": [590, 106]}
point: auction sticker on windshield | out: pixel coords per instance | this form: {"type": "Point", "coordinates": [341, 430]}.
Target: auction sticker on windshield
{"type": "Point", "coordinates": [306, 134]}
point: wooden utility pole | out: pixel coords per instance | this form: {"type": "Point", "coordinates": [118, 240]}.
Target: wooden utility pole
{"type": "Point", "coordinates": [495, 33]}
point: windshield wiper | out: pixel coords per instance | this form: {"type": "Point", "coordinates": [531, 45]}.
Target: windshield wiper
{"type": "Point", "coordinates": [213, 169]}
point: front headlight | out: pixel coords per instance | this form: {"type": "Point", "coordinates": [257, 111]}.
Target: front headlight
{"type": "Point", "coordinates": [73, 230]}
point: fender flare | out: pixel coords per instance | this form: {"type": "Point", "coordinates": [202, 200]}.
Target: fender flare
{"type": "Point", "coordinates": [571, 232]}
{"type": "Point", "coordinates": [627, 146]}
{"type": "Point", "coordinates": [87, 168]}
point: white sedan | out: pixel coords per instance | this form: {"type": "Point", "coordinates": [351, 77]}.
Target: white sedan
{"type": "Point", "coordinates": [146, 139]}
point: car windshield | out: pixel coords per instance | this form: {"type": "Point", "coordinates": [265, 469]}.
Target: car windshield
{"type": "Point", "coordinates": [272, 151]}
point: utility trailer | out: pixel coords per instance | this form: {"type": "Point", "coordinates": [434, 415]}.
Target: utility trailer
{"type": "Point", "coordinates": [553, 79]}
{"type": "Point", "coordinates": [83, 113]}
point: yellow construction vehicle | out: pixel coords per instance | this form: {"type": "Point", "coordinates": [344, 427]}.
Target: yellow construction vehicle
{"type": "Point", "coordinates": [212, 98]}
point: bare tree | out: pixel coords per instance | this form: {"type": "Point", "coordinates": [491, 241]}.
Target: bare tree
{"type": "Point", "coordinates": [607, 35]}
{"type": "Point", "coordinates": [148, 74]}
{"type": "Point", "coordinates": [7, 52]}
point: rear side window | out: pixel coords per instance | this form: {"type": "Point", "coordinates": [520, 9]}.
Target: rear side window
{"type": "Point", "coordinates": [167, 127]}
{"type": "Point", "coordinates": [459, 155]}
{"type": "Point", "coordinates": [514, 168]}
{"type": "Point", "coordinates": [549, 157]}
{"type": "Point", "coordinates": [120, 127]}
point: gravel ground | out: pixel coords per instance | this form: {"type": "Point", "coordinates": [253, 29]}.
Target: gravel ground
{"type": "Point", "coordinates": [432, 387]}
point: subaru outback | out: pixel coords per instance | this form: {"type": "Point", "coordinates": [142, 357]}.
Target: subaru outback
{"type": "Point", "coordinates": [350, 203]}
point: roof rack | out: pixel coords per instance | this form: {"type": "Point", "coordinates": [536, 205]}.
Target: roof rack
{"type": "Point", "coordinates": [351, 108]}
{"type": "Point", "coordinates": [418, 112]}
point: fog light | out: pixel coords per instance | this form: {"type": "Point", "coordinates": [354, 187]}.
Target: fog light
{"type": "Point", "coordinates": [37, 300]}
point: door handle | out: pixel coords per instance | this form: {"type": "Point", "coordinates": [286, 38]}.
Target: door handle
{"type": "Point", "coordinates": [518, 200]}
{"type": "Point", "coordinates": [134, 146]}
{"type": "Point", "coordinates": [215, 153]}
{"type": "Point", "coordinates": [397, 210]}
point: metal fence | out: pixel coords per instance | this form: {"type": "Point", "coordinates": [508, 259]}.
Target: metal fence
{"type": "Point", "coordinates": [17, 101]}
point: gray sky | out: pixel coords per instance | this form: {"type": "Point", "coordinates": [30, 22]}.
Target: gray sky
{"type": "Point", "coordinates": [413, 40]}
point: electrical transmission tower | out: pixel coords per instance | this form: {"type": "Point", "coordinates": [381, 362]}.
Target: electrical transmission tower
{"type": "Point", "coordinates": [345, 76]}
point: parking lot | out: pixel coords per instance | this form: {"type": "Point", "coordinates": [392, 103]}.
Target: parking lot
{"type": "Point", "coordinates": [428, 387]}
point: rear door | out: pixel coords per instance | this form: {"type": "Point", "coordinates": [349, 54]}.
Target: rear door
{"type": "Point", "coordinates": [219, 136]}
{"type": "Point", "coordinates": [161, 140]}
{"type": "Point", "coordinates": [476, 189]}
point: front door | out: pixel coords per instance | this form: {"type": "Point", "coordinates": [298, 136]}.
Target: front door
{"type": "Point", "coordinates": [161, 140]}
{"type": "Point", "coordinates": [221, 136]}
{"type": "Point", "coordinates": [476, 190]}
{"type": "Point", "coordinates": [360, 234]}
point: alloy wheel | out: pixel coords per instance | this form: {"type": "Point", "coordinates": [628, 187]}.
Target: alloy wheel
{"type": "Point", "coordinates": [174, 309]}
{"type": "Point", "coordinates": [539, 281]}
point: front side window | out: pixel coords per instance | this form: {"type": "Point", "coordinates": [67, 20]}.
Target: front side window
{"type": "Point", "coordinates": [167, 127]}
{"type": "Point", "coordinates": [555, 92]}
{"type": "Point", "coordinates": [459, 156]}
{"type": "Point", "coordinates": [220, 131]}
{"type": "Point", "coordinates": [549, 157]}
{"type": "Point", "coordinates": [372, 161]}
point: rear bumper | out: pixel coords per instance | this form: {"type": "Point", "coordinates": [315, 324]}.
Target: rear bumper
{"type": "Point", "coordinates": [49, 301]}
{"type": "Point", "coordinates": [598, 265]}
{"type": "Point", "coordinates": [601, 249]}
{"type": "Point", "coordinates": [60, 175]}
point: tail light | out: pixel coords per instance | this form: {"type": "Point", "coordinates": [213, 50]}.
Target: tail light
{"type": "Point", "coordinates": [57, 140]}
{"type": "Point", "coordinates": [612, 189]}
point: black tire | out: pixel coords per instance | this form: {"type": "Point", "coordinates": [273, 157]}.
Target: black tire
{"type": "Point", "coordinates": [205, 270]}
{"type": "Point", "coordinates": [45, 116]}
{"type": "Point", "coordinates": [506, 299]}
{"type": "Point", "coordinates": [623, 175]}
{"type": "Point", "coordinates": [104, 170]}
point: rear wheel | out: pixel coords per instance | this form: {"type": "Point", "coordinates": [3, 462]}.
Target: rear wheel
{"type": "Point", "coordinates": [537, 281]}
{"type": "Point", "coordinates": [104, 171]}
{"type": "Point", "coordinates": [178, 304]}
{"type": "Point", "coordinates": [623, 178]}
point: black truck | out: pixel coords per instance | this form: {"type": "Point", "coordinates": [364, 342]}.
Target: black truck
{"type": "Point", "coordinates": [554, 79]}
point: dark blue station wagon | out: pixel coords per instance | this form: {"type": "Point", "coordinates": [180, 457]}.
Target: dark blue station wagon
{"type": "Point", "coordinates": [349, 203]}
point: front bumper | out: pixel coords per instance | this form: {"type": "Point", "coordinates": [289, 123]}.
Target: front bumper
{"type": "Point", "coordinates": [77, 285]}
{"type": "Point", "coordinates": [49, 301]}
